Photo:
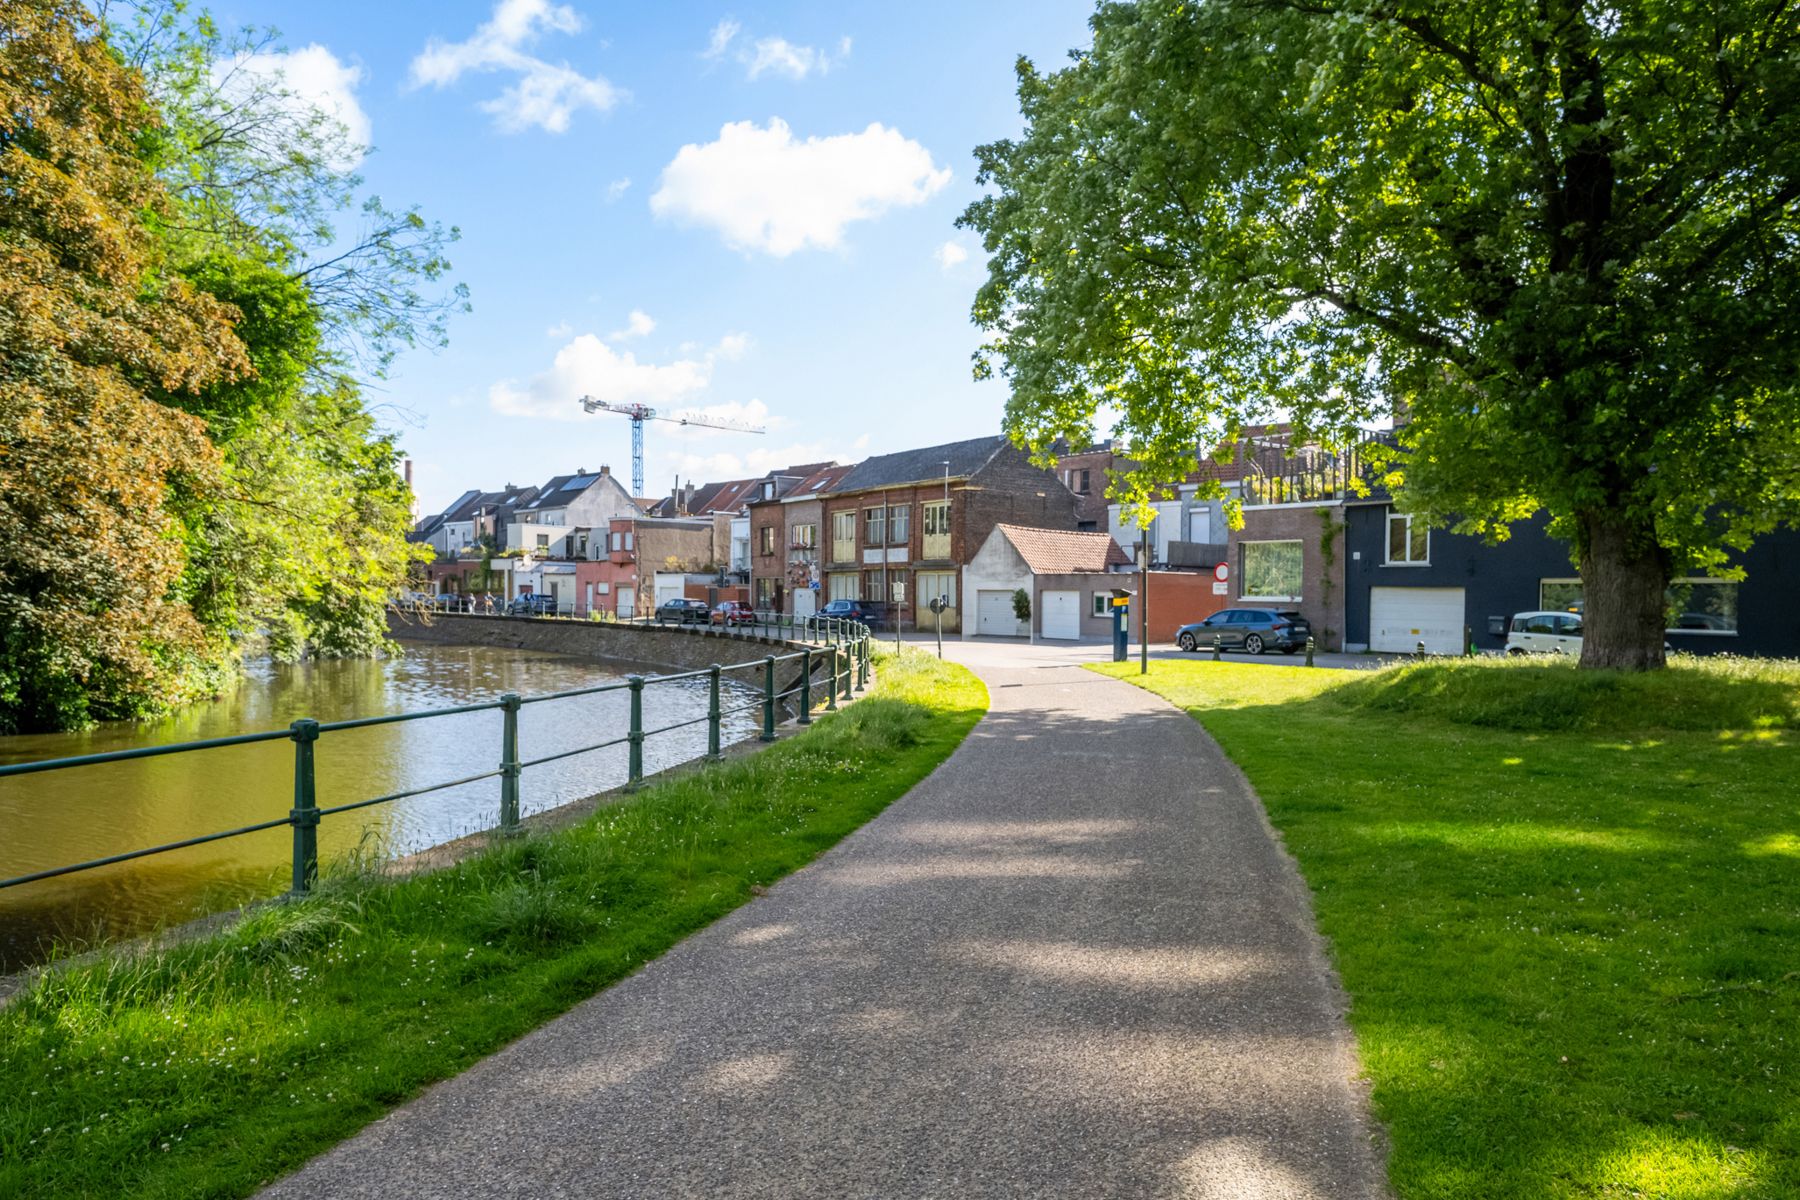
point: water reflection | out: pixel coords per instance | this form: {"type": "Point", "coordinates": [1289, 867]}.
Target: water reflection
{"type": "Point", "coordinates": [90, 812]}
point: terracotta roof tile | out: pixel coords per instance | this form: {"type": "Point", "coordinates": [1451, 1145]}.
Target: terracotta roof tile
{"type": "Point", "coordinates": [1064, 552]}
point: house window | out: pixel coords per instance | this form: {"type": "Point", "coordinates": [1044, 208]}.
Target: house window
{"type": "Point", "coordinates": [1270, 570]}
{"type": "Point", "coordinates": [844, 585]}
{"type": "Point", "coordinates": [765, 592]}
{"type": "Point", "coordinates": [900, 525]}
{"type": "Point", "coordinates": [803, 537]}
{"type": "Point", "coordinates": [766, 544]}
{"type": "Point", "coordinates": [933, 584]}
{"type": "Point", "coordinates": [875, 527]}
{"type": "Point", "coordinates": [1083, 489]}
{"type": "Point", "coordinates": [872, 586]}
{"type": "Point", "coordinates": [1706, 606]}
{"type": "Point", "coordinates": [843, 536]}
{"type": "Point", "coordinates": [936, 515]}
{"type": "Point", "coordinates": [1102, 604]}
{"type": "Point", "coordinates": [1409, 541]}
{"type": "Point", "coordinates": [543, 541]}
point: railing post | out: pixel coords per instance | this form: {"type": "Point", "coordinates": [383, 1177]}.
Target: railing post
{"type": "Point", "coordinates": [806, 687]}
{"type": "Point", "coordinates": [712, 712]}
{"type": "Point", "coordinates": [768, 733]}
{"type": "Point", "coordinates": [304, 816]}
{"type": "Point", "coordinates": [509, 763]}
{"type": "Point", "coordinates": [634, 739]}
{"type": "Point", "coordinates": [831, 704]}
{"type": "Point", "coordinates": [857, 672]}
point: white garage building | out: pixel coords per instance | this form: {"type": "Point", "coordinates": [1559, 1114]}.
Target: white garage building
{"type": "Point", "coordinates": [1069, 576]}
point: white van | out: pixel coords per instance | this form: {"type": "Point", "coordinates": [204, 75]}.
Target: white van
{"type": "Point", "coordinates": [1544, 633]}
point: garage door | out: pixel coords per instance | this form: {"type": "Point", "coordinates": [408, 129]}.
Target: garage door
{"type": "Point", "coordinates": [994, 615]}
{"type": "Point", "coordinates": [1062, 615]}
{"type": "Point", "coordinates": [1401, 618]}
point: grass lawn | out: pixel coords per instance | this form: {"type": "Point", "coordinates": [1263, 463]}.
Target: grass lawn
{"type": "Point", "coordinates": [210, 1068]}
{"type": "Point", "coordinates": [1566, 907]}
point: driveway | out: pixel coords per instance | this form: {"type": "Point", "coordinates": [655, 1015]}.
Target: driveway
{"type": "Point", "coordinates": [1073, 962]}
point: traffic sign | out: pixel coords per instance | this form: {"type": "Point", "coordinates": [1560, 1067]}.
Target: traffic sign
{"type": "Point", "coordinates": [1222, 572]}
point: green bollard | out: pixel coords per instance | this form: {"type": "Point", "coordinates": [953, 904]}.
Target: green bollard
{"type": "Point", "coordinates": [509, 764]}
{"type": "Point", "coordinates": [634, 738]}
{"type": "Point", "coordinates": [1218, 646]}
{"type": "Point", "coordinates": [1309, 652]}
{"type": "Point", "coordinates": [304, 816]}
{"type": "Point", "coordinates": [806, 687]}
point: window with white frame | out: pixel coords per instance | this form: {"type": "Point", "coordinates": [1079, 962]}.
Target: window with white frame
{"type": "Point", "coordinates": [899, 524]}
{"type": "Point", "coordinates": [803, 537]}
{"type": "Point", "coordinates": [1270, 570]}
{"type": "Point", "coordinates": [873, 587]}
{"type": "Point", "coordinates": [1408, 541]}
{"type": "Point", "coordinates": [1697, 605]}
{"type": "Point", "coordinates": [844, 585]}
{"type": "Point", "coordinates": [766, 537]}
{"type": "Point", "coordinates": [843, 536]}
{"type": "Point", "coordinates": [875, 526]}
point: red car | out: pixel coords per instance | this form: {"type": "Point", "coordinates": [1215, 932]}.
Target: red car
{"type": "Point", "coordinates": [733, 612]}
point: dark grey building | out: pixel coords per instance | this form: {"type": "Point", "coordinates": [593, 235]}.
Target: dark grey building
{"type": "Point", "coordinates": [1404, 584]}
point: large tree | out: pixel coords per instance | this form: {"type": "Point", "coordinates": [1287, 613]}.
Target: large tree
{"type": "Point", "coordinates": [91, 320]}
{"type": "Point", "coordinates": [1562, 238]}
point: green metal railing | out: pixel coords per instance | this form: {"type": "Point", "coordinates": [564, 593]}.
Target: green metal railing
{"type": "Point", "coordinates": [843, 646]}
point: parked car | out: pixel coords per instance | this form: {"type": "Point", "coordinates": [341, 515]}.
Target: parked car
{"type": "Point", "coordinates": [733, 612]}
{"type": "Point", "coordinates": [1546, 633]}
{"type": "Point", "coordinates": [865, 611]}
{"type": "Point", "coordinates": [532, 604]}
{"type": "Point", "coordinates": [1251, 630]}
{"type": "Point", "coordinates": [683, 612]}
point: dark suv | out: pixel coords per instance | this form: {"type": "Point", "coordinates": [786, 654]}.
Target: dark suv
{"type": "Point", "coordinates": [532, 604]}
{"type": "Point", "coordinates": [683, 612]}
{"type": "Point", "coordinates": [866, 611]}
{"type": "Point", "coordinates": [1251, 630]}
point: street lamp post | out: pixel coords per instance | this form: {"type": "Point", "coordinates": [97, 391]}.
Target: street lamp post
{"type": "Point", "coordinates": [1144, 600]}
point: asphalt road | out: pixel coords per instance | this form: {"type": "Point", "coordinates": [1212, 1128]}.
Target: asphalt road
{"type": "Point", "coordinates": [1072, 962]}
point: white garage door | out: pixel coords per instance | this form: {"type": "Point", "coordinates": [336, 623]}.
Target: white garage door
{"type": "Point", "coordinates": [994, 615]}
{"type": "Point", "coordinates": [1401, 618]}
{"type": "Point", "coordinates": [1062, 615]}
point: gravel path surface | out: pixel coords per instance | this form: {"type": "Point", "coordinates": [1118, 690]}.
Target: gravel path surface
{"type": "Point", "coordinates": [1072, 962]}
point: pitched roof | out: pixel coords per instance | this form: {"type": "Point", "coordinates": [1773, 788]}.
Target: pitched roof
{"type": "Point", "coordinates": [1062, 551]}
{"type": "Point", "coordinates": [825, 479]}
{"type": "Point", "coordinates": [922, 465]}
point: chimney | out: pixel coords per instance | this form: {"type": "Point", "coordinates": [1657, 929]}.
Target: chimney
{"type": "Point", "coordinates": [605, 470]}
{"type": "Point", "coordinates": [406, 468]}
{"type": "Point", "coordinates": [581, 470]}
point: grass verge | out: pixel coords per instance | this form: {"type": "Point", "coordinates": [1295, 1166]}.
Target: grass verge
{"type": "Point", "coordinates": [215, 1066]}
{"type": "Point", "coordinates": [1566, 906]}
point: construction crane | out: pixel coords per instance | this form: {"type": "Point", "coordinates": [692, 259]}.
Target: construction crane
{"type": "Point", "coordinates": [639, 413]}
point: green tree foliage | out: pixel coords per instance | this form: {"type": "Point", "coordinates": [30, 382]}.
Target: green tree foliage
{"type": "Point", "coordinates": [1562, 239]}
{"type": "Point", "coordinates": [91, 318]}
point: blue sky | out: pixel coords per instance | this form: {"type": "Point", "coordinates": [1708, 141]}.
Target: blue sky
{"type": "Point", "coordinates": [772, 187]}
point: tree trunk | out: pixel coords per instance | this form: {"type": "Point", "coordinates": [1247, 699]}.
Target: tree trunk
{"type": "Point", "coordinates": [1624, 575]}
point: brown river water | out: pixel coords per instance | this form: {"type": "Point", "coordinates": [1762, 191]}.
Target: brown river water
{"type": "Point", "coordinates": [60, 817]}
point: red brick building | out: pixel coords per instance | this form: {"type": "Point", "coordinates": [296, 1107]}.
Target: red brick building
{"type": "Point", "coordinates": [898, 528]}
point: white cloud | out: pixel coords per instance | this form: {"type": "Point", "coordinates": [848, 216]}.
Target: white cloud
{"type": "Point", "coordinates": [561, 329]}
{"type": "Point", "coordinates": [772, 55]}
{"type": "Point", "coordinates": [763, 190]}
{"type": "Point", "coordinates": [617, 188]}
{"type": "Point", "coordinates": [949, 254]}
{"type": "Point", "coordinates": [637, 325]}
{"type": "Point", "coordinates": [587, 366]}
{"type": "Point", "coordinates": [308, 82]}
{"type": "Point", "coordinates": [733, 345]}
{"type": "Point", "coordinates": [544, 94]}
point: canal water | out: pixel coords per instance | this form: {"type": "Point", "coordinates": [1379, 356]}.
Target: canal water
{"type": "Point", "coordinates": [61, 817]}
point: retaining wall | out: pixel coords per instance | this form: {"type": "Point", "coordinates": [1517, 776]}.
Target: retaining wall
{"type": "Point", "coordinates": [646, 648]}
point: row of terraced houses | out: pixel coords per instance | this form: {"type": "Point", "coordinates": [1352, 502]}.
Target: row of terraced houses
{"type": "Point", "coordinates": [972, 522]}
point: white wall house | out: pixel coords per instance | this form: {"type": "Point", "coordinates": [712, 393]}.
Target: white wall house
{"type": "Point", "coordinates": [1184, 519]}
{"type": "Point", "coordinates": [1069, 577]}
{"type": "Point", "coordinates": [567, 503]}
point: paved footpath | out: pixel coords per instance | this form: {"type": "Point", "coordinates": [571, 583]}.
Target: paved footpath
{"type": "Point", "coordinates": [1072, 962]}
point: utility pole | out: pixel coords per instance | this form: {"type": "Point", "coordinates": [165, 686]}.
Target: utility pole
{"type": "Point", "coordinates": [1144, 599]}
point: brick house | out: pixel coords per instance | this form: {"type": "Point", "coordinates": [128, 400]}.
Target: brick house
{"type": "Point", "coordinates": [898, 528]}
{"type": "Point", "coordinates": [784, 543]}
